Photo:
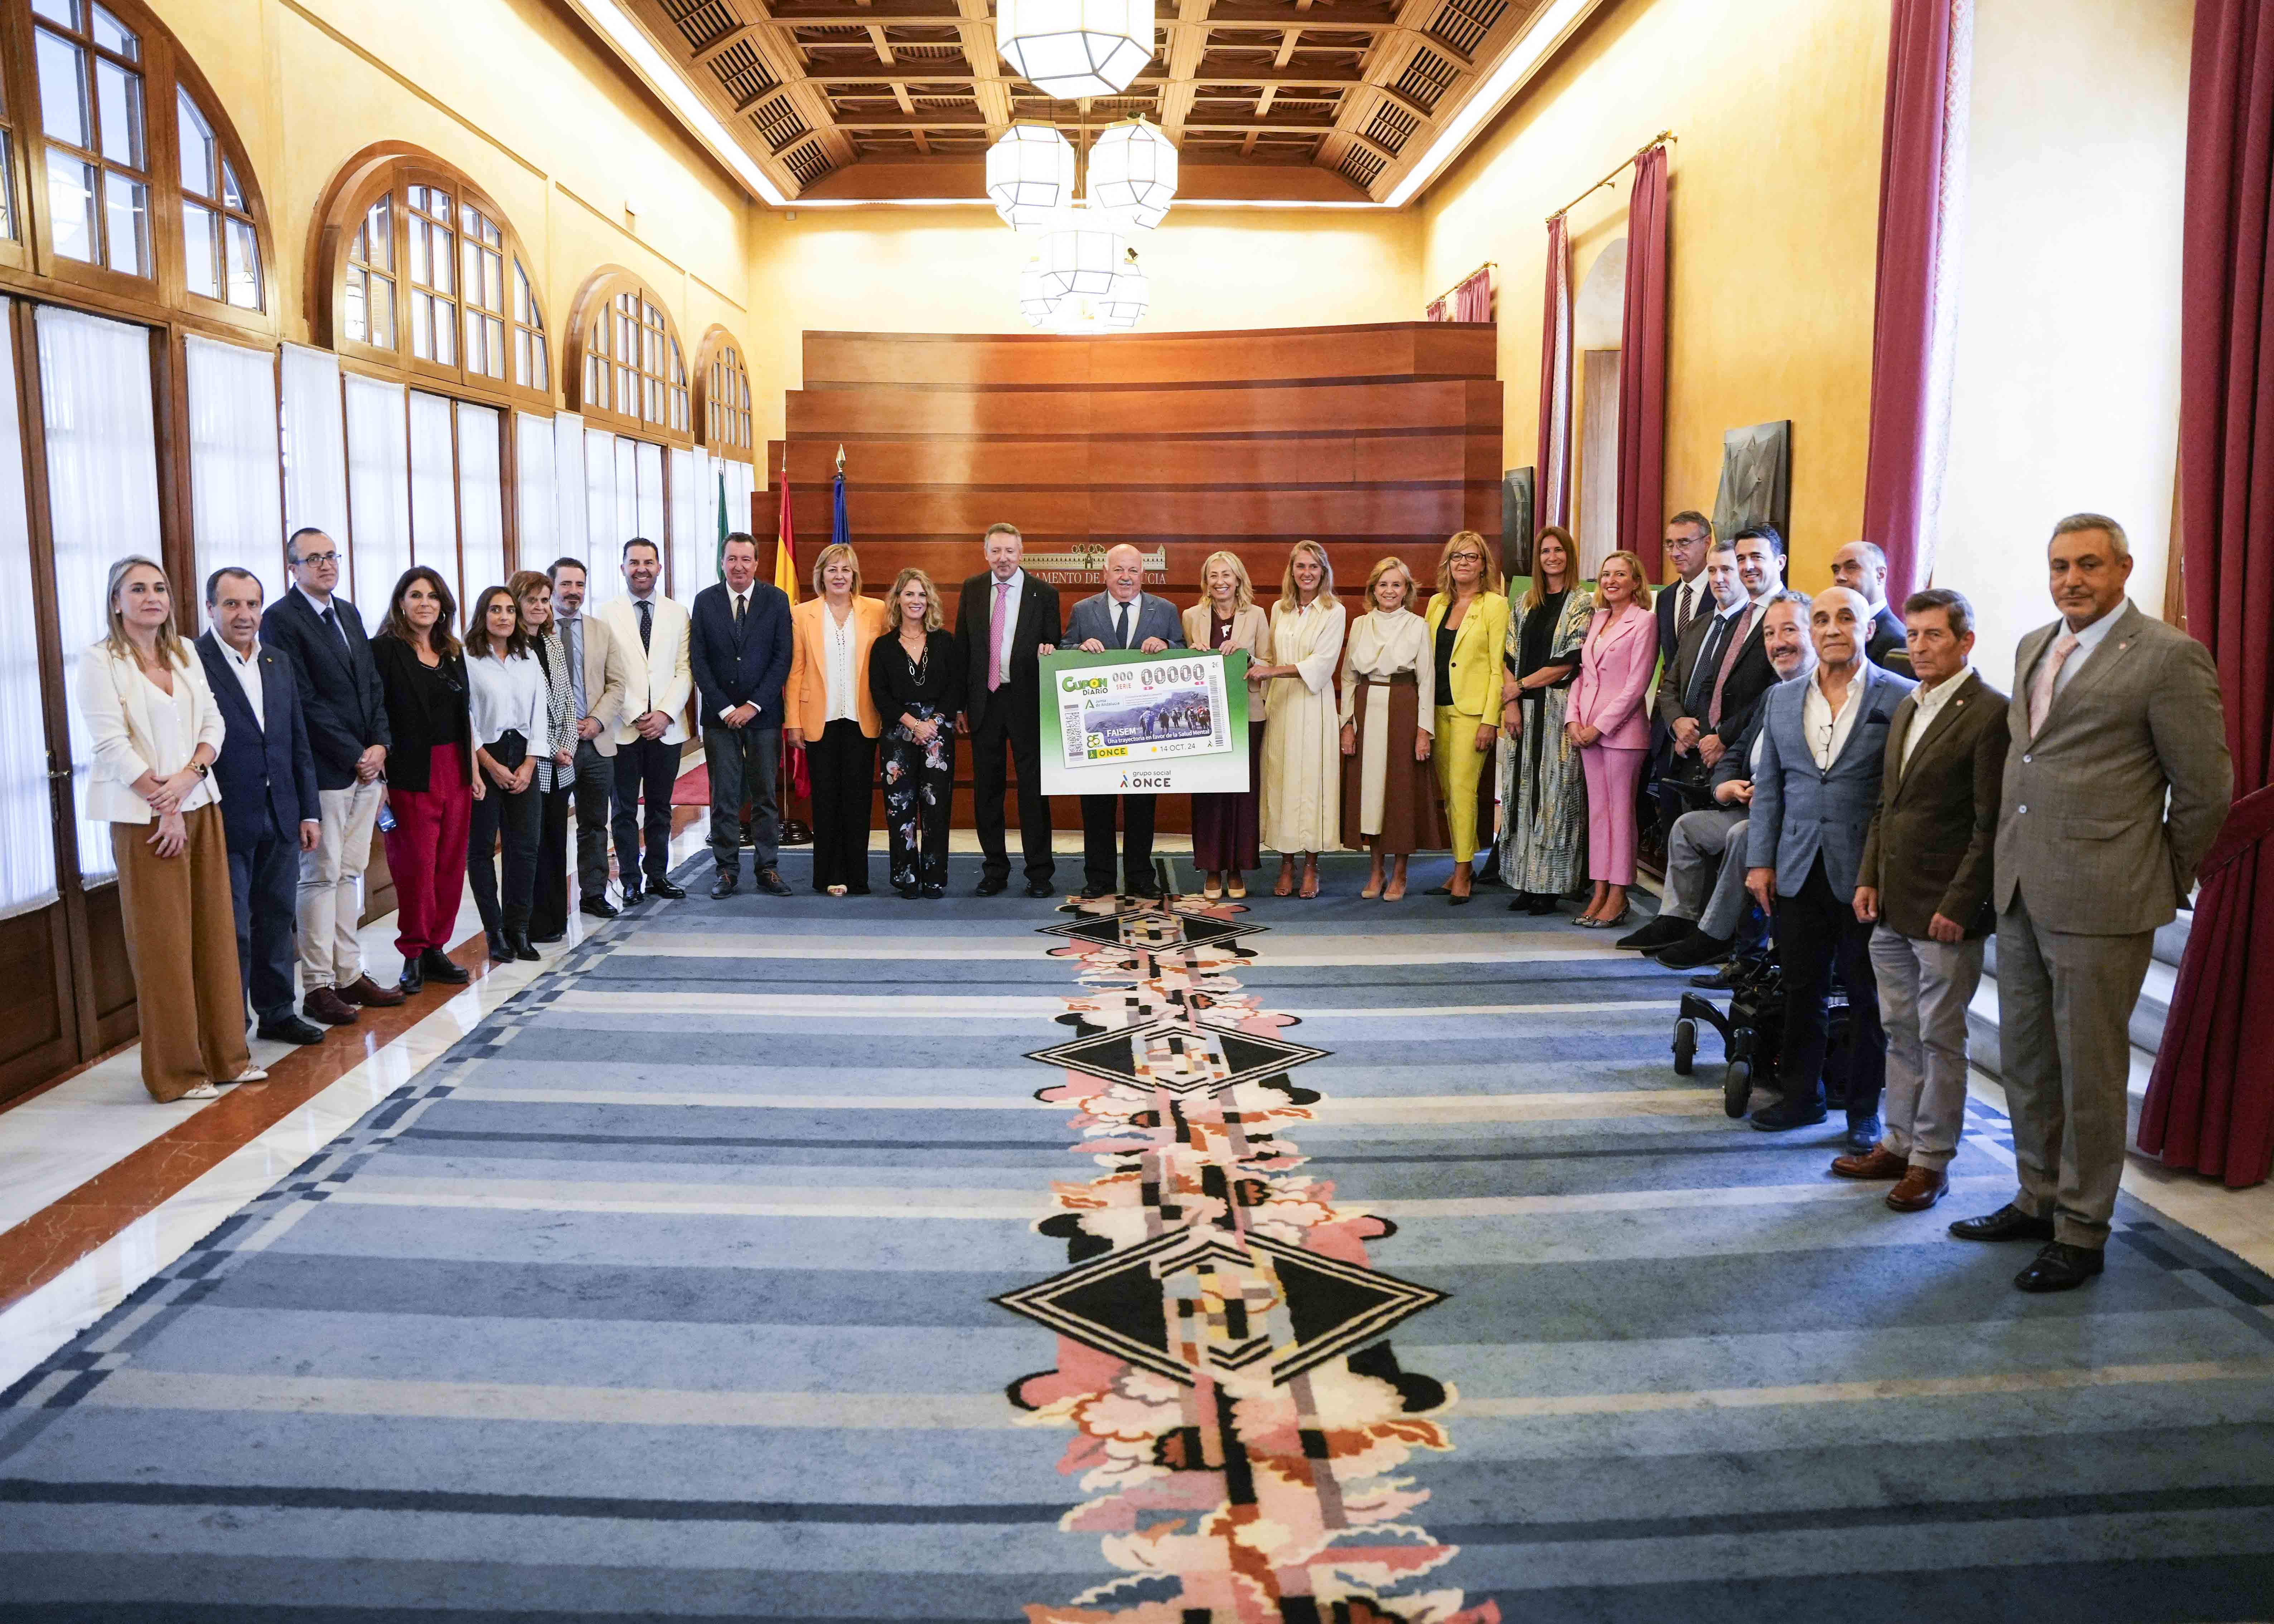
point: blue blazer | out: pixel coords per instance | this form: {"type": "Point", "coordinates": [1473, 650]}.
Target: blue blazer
{"type": "Point", "coordinates": [266, 773]}
{"type": "Point", "coordinates": [1095, 616]}
{"type": "Point", "coordinates": [338, 680]}
{"type": "Point", "coordinates": [745, 667]}
{"type": "Point", "coordinates": [1800, 809]}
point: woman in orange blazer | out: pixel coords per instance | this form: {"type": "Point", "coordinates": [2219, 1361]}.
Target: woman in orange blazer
{"type": "Point", "coordinates": [827, 708]}
{"type": "Point", "coordinates": [1610, 724]}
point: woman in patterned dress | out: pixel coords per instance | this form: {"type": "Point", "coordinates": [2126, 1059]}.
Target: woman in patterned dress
{"type": "Point", "coordinates": [915, 675]}
{"type": "Point", "coordinates": [1544, 798]}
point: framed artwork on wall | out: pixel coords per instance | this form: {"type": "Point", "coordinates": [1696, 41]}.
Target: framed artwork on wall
{"type": "Point", "coordinates": [1516, 521]}
{"type": "Point", "coordinates": [1755, 479]}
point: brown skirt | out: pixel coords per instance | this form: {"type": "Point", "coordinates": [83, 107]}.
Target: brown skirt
{"type": "Point", "coordinates": [1411, 820]}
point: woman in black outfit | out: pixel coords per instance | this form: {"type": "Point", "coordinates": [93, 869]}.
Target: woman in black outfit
{"type": "Point", "coordinates": [430, 783]}
{"type": "Point", "coordinates": [915, 675]}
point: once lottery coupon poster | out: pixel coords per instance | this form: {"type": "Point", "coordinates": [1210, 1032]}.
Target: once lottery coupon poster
{"type": "Point", "coordinates": [1122, 722]}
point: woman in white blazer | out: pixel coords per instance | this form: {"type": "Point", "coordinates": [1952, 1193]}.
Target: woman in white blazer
{"type": "Point", "coordinates": [157, 733]}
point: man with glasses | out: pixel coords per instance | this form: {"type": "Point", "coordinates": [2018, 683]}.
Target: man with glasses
{"type": "Point", "coordinates": [1824, 746]}
{"type": "Point", "coordinates": [322, 635]}
{"type": "Point", "coordinates": [596, 691]}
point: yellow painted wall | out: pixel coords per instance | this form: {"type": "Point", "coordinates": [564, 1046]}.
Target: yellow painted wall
{"type": "Point", "coordinates": [955, 270]}
{"type": "Point", "coordinates": [1773, 197]}
{"type": "Point", "coordinates": [522, 101]}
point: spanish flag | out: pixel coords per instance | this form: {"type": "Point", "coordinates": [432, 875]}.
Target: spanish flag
{"type": "Point", "coordinates": [784, 540]}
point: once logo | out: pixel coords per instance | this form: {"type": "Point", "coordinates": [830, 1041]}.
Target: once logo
{"type": "Point", "coordinates": [1144, 780]}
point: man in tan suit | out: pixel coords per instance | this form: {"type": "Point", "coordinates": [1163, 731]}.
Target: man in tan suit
{"type": "Point", "coordinates": [2112, 713]}
{"type": "Point", "coordinates": [1925, 882]}
{"type": "Point", "coordinates": [595, 679]}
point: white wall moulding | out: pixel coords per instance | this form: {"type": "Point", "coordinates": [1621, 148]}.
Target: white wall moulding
{"type": "Point", "coordinates": [1075, 48]}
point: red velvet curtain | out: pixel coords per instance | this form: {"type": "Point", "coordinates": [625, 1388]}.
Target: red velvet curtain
{"type": "Point", "coordinates": [2210, 1104]}
{"type": "Point", "coordinates": [1472, 300]}
{"type": "Point", "coordinates": [1436, 311]}
{"type": "Point", "coordinates": [1552, 480]}
{"type": "Point", "coordinates": [1642, 367]}
{"type": "Point", "coordinates": [1916, 126]}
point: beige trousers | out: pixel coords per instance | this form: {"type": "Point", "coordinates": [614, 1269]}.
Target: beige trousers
{"type": "Point", "coordinates": [331, 886]}
{"type": "Point", "coordinates": [181, 943]}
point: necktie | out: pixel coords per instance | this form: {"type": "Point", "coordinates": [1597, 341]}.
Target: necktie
{"type": "Point", "coordinates": [1683, 608]}
{"type": "Point", "coordinates": [739, 602]}
{"type": "Point", "coordinates": [332, 621]}
{"type": "Point", "coordinates": [1737, 632]}
{"type": "Point", "coordinates": [2041, 689]}
{"type": "Point", "coordinates": [647, 623]}
{"type": "Point", "coordinates": [1121, 635]}
{"type": "Point", "coordinates": [995, 640]}
{"type": "Point", "coordinates": [1709, 659]}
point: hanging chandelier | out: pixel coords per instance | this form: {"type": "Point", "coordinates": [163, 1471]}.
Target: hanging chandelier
{"type": "Point", "coordinates": [1133, 173]}
{"type": "Point", "coordinates": [1081, 250]}
{"type": "Point", "coordinates": [1030, 171]}
{"type": "Point", "coordinates": [1125, 302]}
{"type": "Point", "coordinates": [1075, 48]}
{"type": "Point", "coordinates": [1122, 305]}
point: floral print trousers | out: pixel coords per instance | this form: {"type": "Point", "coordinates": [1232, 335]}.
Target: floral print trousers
{"type": "Point", "coordinates": [919, 782]}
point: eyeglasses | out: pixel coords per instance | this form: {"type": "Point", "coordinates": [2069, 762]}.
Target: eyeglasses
{"type": "Point", "coordinates": [1466, 558]}
{"type": "Point", "coordinates": [317, 558]}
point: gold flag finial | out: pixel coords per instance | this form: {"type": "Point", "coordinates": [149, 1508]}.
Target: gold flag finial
{"type": "Point", "coordinates": [840, 459]}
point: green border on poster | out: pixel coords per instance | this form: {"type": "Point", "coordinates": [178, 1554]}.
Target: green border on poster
{"type": "Point", "coordinates": [1218, 771]}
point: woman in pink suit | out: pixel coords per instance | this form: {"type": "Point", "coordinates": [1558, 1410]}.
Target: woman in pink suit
{"type": "Point", "coordinates": [1611, 724]}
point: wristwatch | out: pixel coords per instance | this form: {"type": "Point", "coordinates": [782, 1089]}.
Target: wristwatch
{"type": "Point", "coordinates": [203, 769]}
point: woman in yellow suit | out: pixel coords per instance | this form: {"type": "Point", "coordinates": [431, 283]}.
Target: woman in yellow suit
{"type": "Point", "coordinates": [1468, 622]}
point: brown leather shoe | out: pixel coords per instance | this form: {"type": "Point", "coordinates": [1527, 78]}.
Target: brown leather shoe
{"type": "Point", "coordinates": [1918, 1188]}
{"type": "Point", "coordinates": [326, 1008]}
{"type": "Point", "coordinates": [369, 994]}
{"type": "Point", "coordinates": [1877, 1162]}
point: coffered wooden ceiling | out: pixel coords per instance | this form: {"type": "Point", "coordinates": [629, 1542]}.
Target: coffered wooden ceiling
{"type": "Point", "coordinates": [1300, 101]}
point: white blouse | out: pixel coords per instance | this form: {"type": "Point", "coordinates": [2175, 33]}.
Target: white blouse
{"type": "Point", "coordinates": [136, 726]}
{"type": "Point", "coordinates": [508, 695]}
{"type": "Point", "coordinates": [837, 663]}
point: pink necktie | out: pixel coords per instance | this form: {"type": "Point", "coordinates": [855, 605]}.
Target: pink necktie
{"type": "Point", "coordinates": [995, 638]}
{"type": "Point", "coordinates": [2041, 690]}
{"type": "Point", "coordinates": [1729, 663]}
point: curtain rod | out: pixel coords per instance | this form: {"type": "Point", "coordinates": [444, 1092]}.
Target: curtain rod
{"type": "Point", "coordinates": [1662, 136]}
{"type": "Point", "coordinates": [1489, 264]}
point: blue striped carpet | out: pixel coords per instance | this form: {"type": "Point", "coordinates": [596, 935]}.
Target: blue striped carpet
{"type": "Point", "coordinates": [1370, 1267]}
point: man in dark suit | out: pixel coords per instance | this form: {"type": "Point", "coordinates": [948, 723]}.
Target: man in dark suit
{"type": "Point", "coordinates": [1924, 882]}
{"type": "Point", "coordinates": [1123, 616]}
{"type": "Point", "coordinates": [1006, 620]}
{"type": "Point", "coordinates": [267, 775]}
{"type": "Point", "coordinates": [739, 647]}
{"type": "Point", "coordinates": [1823, 755]}
{"type": "Point", "coordinates": [322, 635]}
{"type": "Point", "coordinates": [1679, 714]}
{"type": "Point", "coordinates": [1689, 540]}
{"type": "Point", "coordinates": [1860, 566]}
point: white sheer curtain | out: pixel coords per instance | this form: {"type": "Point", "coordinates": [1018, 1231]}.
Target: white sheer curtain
{"type": "Point", "coordinates": [379, 490]}
{"type": "Point", "coordinates": [627, 494]}
{"type": "Point", "coordinates": [315, 451]}
{"type": "Point", "coordinates": [103, 498]}
{"type": "Point", "coordinates": [537, 535]}
{"type": "Point", "coordinates": [741, 482]}
{"type": "Point", "coordinates": [236, 511]}
{"type": "Point", "coordinates": [481, 496]}
{"type": "Point", "coordinates": [654, 524]}
{"type": "Point", "coordinates": [434, 494]}
{"type": "Point", "coordinates": [604, 579]}
{"type": "Point", "coordinates": [686, 544]}
{"type": "Point", "coordinates": [27, 832]}
{"type": "Point", "coordinates": [573, 540]}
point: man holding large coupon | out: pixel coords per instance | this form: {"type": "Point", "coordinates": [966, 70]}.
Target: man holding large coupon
{"type": "Point", "coordinates": [1123, 616]}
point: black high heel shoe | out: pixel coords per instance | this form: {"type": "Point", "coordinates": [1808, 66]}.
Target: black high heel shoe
{"type": "Point", "coordinates": [501, 950]}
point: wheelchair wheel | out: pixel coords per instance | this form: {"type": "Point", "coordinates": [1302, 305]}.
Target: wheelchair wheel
{"type": "Point", "coordinates": [1685, 1045]}
{"type": "Point", "coordinates": [1737, 1087]}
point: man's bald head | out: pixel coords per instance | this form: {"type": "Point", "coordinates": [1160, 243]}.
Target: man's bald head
{"type": "Point", "coordinates": [1839, 624]}
{"type": "Point", "coordinates": [1124, 572]}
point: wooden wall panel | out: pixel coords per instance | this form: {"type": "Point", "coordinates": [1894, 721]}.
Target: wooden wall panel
{"type": "Point", "coordinates": [1372, 440]}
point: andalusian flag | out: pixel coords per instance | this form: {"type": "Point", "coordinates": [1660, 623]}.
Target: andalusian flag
{"type": "Point", "coordinates": [784, 540]}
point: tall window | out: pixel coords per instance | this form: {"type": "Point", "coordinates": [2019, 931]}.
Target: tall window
{"type": "Point", "coordinates": [92, 116]}
{"type": "Point", "coordinates": [725, 402]}
{"type": "Point", "coordinates": [221, 249]}
{"type": "Point", "coordinates": [429, 280]}
{"type": "Point", "coordinates": [10, 230]}
{"type": "Point", "coordinates": [631, 370]}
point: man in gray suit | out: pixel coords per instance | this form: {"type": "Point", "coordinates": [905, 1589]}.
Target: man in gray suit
{"type": "Point", "coordinates": [2117, 780]}
{"type": "Point", "coordinates": [1123, 616]}
{"type": "Point", "coordinates": [1824, 741]}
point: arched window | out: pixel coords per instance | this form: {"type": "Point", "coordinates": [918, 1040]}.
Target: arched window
{"type": "Point", "coordinates": [418, 271]}
{"type": "Point", "coordinates": [722, 396]}
{"type": "Point", "coordinates": [627, 366]}
{"type": "Point", "coordinates": [118, 170]}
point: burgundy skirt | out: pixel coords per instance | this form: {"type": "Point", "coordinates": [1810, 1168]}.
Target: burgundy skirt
{"type": "Point", "coordinates": [1225, 827]}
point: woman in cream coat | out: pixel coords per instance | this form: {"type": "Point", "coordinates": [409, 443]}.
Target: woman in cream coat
{"type": "Point", "coordinates": [827, 708]}
{"type": "Point", "coordinates": [1390, 805]}
{"type": "Point", "coordinates": [157, 733]}
{"type": "Point", "coordinates": [1468, 623]}
{"type": "Point", "coordinates": [1302, 748]}
{"type": "Point", "coordinates": [1226, 827]}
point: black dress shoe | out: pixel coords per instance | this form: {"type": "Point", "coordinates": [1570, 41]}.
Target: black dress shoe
{"type": "Point", "coordinates": [1660, 932]}
{"type": "Point", "coordinates": [1693, 950]}
{"type": "Point", "coordinates": [907, 893]}
{"type": "Point", "coordinates": [549, 937]}
{"type": "Point", "coordinates": [522, 950]}
{"type": "Point", "coordinates": [1863, 1134]}
{"type": "Point", "coordinates": [1040, 888]}
{"type": "Point", "coordinates": [411, 982]}
{"type": "Point", "coordinates": [992, 885]}
{"type": "Point", "coordinates": [773, 883]}
{"type": "Point", "coordinates": [665, 890]}
{"type": "Point", "coordinates": [1519, 902]}
{"type": "Point", "coordinates": [2009, 1222]}
{"type": "Point", "coordinates": [1721, 980]}
{"type": "Point", "coordinates": [723, 886]}
{"type": "Point", "coordinates": [501, 950]}
{"type": "Point", "coordinates": [1543, 904]}
{"type": "Point", "coordinates": [2060, 1267]}
{"type": "Point", "coordinates": [599, 908]}
{"type": "Point", "coordinates": [934, 893]}
{"type": "Point", "coordinates": [438, 965]}
{"type": "Point", "coordinates": [289, 1029]}
{"type": "Point", "coordinates": [632, 896]}
{"type": "Point", "coordinates": [1145, 890]}
{"type": "Point", "coordinates": [1787, 1115]}
{"type": "Point", "coordinates": [1093, 892]}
